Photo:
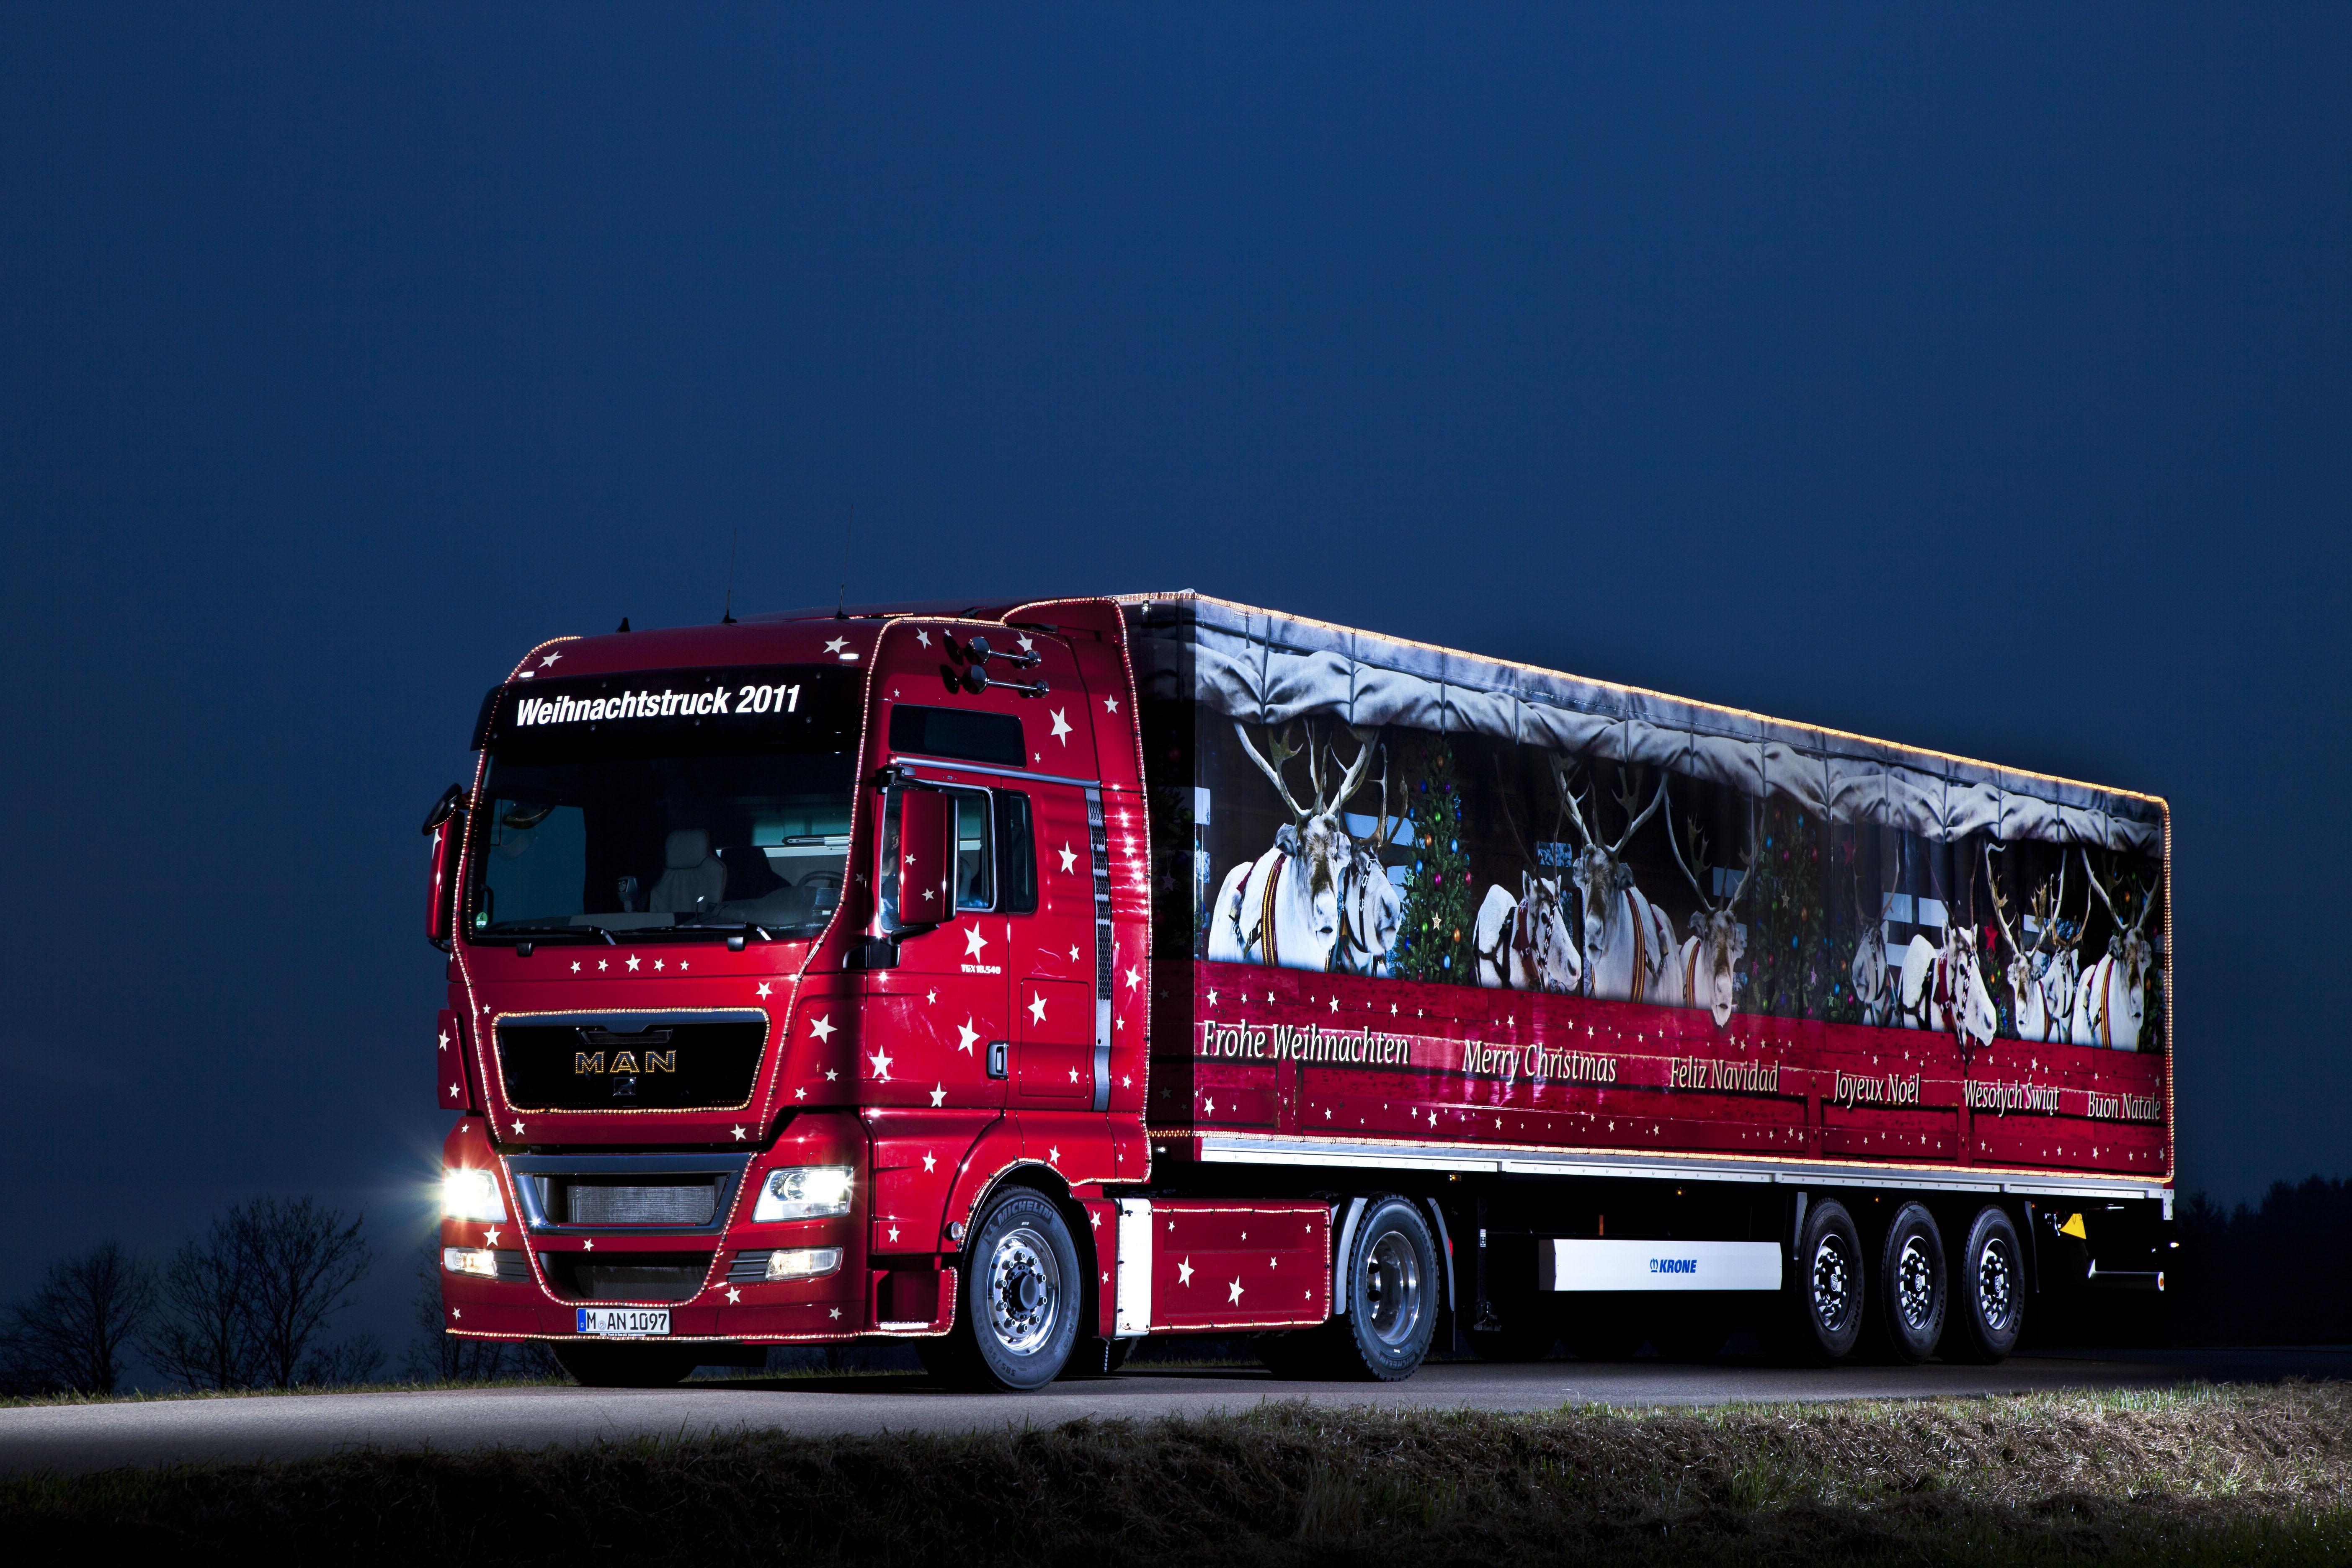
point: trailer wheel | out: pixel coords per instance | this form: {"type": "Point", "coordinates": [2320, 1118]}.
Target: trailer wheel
{"type": "Point", "coordinates": [1018, 1318]}
{"type": "Point", "coordinates": [1914, 1285]}
{"type": "Point", "coordinates": [1392, 1294]}
{"type": "Point", "coordinates": [625, 1366]}
{"type": "Point", "coordinates": [1824, 1312]}
{"type": "Point", "coordinates": [1988, 1283]}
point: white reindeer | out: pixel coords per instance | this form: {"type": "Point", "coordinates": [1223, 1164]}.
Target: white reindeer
{"type": "Point", "coordinates": [1874, 980]}
{"type": "Point", "coordinates": [1708, 966]}
{"type": "Point", "coordinates": [1369, 906]}
{"type": "Point", "coordinates": [2041, 977]}
{"type": "Point", "coordinates": [1283, 907]}
{"type": "Point", "coordinates": [1628, 940]}
{"type": "Point", "coordinates": [2111, 1003]}
{"type": "Point", "coordinates": [1524, 942]}
{"type": "Point", "coordinates": [1942, 988]}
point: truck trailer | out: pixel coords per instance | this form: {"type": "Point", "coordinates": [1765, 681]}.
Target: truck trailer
{"type": "Point", "coordinates": [1026, 979]}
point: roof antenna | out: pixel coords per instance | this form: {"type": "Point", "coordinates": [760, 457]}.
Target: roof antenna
{"type": "Point", "coordinates": [839, 614]}
{"type": "Point", "coordinates": [727, 614]}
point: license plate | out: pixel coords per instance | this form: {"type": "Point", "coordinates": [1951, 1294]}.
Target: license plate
{"type": "Point", "coordinates": [623, 1323]}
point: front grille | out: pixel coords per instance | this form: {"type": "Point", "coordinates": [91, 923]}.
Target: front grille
{"type": "Point", "coordinates": [625, 1277]}
{"type": "Point", "coordinates": [632, 1061]}
{"type": "Point", "coordinates": [588, 1200]}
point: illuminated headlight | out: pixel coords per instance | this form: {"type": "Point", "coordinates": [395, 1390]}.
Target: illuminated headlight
{"type": "Point", "coordinates": [804, 1192]}
{"type": "Point", "coordinates": [472, 1195]}
{"type": "Point", "coordinates": [478, 1260]}
{"type": "Point", "coordinates": [802, 1262]}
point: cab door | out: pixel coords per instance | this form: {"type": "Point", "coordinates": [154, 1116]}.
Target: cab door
{"type": "Point", "coordinates": [1056, 1026]}
{"type": "Point", "coordinates": [947, 993]}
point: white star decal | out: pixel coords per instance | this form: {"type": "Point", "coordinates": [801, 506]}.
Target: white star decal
{"type": "Point", "coordinates": [822, 1028]}
{"type": "Point", "coordinates": [1210, 1109]}
{"type": "Point", "coordinates": [575, 966]}
{"type": "Point", "coordinates": [1026, 646]}
{"type": "Point", "coordinates": [836, 1312]}
{"type": "Point", "coordinates": [766, 989]}
{"type": "Point", "coordinates": [836, 645]}
{"type": "Point", "coordinates": [930, 998]}
{"type": "Point", "coordinates": [881, 1060]}
{"type": "Point", "coordinates": [588, 1246]}
{"type": "Point", "coordinates": [799, 1094]}
{"type": "Point", "coordinates": [1074, 952]}
{"type": "Point", "coordinates": [1234, 1292]}
{"type": "Point", "coordinates": [1037, 1008]}
{"type": "Point", "coordinates": [1061, 727]}
{"type": "Point", "coordinates": [1134, 978]}
{"type": "Point", "coordinates": [602, 966]}
{"type": "Point", "coordinates": [550, 659]}
{"type": "Point", "coordinates": [456, 1312]}
{"type": "Point", "coordinates": [491, 1238]}
{"type": "Point", "coordinates": [445, 1034]}
{"type": "Point", "coordinates": [965, 1037]}
{"type": "Point", "coordinates": [1212, 998]}
{"type": "Point", "coordinates": [1053, 1155]}
{"type": "Point", "coordinates": [632, 964]}
{"type": "Point", "coordinates": [1335, 1004]}
{"type": "Point", "coordinates": [938, 1095]}
{"type": "Point", "coordinates": [1183, 1269]}
{"type": "Point", "coordinates": [930, 1161]}
{"type": "Point", "coordinates": [733, 1295]}
{"type": "Point", "coordinates": [1127, 1080]}
{"type": "Point", "coordinates": [453, 1091]}
{"type": "Point", "coordinates": [659, 962]}
{"type": "Point", "coordinates": [1110, 704]}
{"type": "Point", "coordinates": [894, 1233]}
{"type": "Point", "coordinates": [1074, 1075]}
{"type": "Point", "coordinates": [518, 1127]}
{"type": "Point", "coordinates": [1069, 856]}
{"type": "Point", "coordinates": [738, 1132]}
{"type": "Point", "coordinates": [681, 966]}
{"type": "Point", "coordinates": [923, 638]}
{"type": "Point", "coordinates": [973, 941]}
{"type": "Point", "coordinates": [830, 1075]}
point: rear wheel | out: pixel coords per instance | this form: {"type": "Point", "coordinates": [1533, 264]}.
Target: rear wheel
{"type": "Point", "coordinates": [1988, 1290]}
{"type": "Point", "coordinates": [625, 1366]}
{"type": "Point", "coordinates": [1822, 1316]}
{"type": "Point", "coordinates": [1391, 1280]}
{"type": "Point", "coordinates": [1018, 1318]}
{"type": "Point", "coordinates": [1913, 1285]}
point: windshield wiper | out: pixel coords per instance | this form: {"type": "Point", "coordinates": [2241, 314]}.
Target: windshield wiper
{"type": "Point", "coordinates": [547, 928]}
{"type": "Point", "coordinates": [765, 935]}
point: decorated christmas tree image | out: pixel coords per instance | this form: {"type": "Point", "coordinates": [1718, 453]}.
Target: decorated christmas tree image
{"type": "Point", "coordinates": [1434, 929]}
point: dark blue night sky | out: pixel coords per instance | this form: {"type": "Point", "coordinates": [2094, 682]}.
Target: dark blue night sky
{"type": "Point", "coordinates": [1978, 378]}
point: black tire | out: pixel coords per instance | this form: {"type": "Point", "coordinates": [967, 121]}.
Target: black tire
{"type": "Point", "coordinates": [595, 1365]}
{"type": "Point", "coordinates": [1988, 1290]}
{"type": "Point", "coordinates": [1915, 1286]}
{"type": "Point", "coordinates": [1394, 1294]}
{"type": "Point", "coordinates": [1018, 1295]}
{"type": "Point", "coordinates": [1821, 1317]}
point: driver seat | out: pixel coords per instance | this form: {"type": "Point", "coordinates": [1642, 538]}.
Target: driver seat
{"type": "Point", "coordinates": [693, 879]}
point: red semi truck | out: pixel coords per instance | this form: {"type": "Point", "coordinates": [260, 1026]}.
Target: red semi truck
{"type": "Point", "coordinates": [1026, 979]}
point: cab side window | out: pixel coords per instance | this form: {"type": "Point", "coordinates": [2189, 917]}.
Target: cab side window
{"type": "Point", "coordinates": [996, 855]}
{"type": "Point", "coordinates": [1016, 855]}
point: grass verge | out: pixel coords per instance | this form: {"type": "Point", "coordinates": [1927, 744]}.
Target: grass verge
{"type": "Point", "coordinates": [2190, 1475]}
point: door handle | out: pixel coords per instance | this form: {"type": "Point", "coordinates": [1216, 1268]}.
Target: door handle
{"type": "Point", "coordinates": [996, 1054]}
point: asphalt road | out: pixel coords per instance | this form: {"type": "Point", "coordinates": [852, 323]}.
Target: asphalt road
{"type": "Point", "coordinates": [74, 1439]}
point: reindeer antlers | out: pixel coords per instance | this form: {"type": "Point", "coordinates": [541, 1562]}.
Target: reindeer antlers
{"type": "Point", "coordinates": [1282, 753]}
{"type": "Point", "coordinates": [2147, 897]}
{"type": "Point", "coordinates": [1625, 802]}
{"type": "Point", "coordinates": [1279, 752]}
{"type": "Point", "coordinates": [1999, 904]}
{"type": "Point", "coordinates": [1698, 853]}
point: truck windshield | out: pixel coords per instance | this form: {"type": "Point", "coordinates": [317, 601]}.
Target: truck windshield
{"type": "Point", "coordinates": [692, 801]}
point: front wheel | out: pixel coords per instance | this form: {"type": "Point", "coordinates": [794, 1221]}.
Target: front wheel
{"type": "Point", "coordinates": [1019, 1295]}
{"type": "Point", "coordinates": [1391, 1280]}
{"type": "Point", "coordinates": [1988, 1287]}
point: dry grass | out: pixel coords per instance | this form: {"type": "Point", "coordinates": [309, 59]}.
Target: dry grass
{"type": "Point", "coordinates": [2191, 1475]}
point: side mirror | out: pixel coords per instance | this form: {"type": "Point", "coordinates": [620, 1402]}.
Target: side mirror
{"type": "Point", "coordinates": [927, 858]}
{"type": "Point", "coordinates": [444, 825]}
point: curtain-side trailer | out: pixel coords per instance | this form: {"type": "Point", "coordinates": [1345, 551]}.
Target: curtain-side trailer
{"type": "Point", "coordinates": [1021, 980]}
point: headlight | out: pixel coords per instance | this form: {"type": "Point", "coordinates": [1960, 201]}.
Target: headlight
{"type": "Point", "coordinates": [478, 1260]}
{"type": "Point", "coordinates": [472, 1194]}
{"type": "Point", "coordinates": [804, 1192]}
{"type": "Point", "coordinates": [802, 1262]}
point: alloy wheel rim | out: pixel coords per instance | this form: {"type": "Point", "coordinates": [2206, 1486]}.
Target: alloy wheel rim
{"type": "Point", "coordinates": [1393, 1291]}
{"type": "Point", "coordinates": [1915, 1274]}
{"type": "Point", "coordinates": [1832, 1284]}
{"type": "Point", "coordinates": [1997, 1284]}
{"type": "Point", "coordinates": [1024, 1292]}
